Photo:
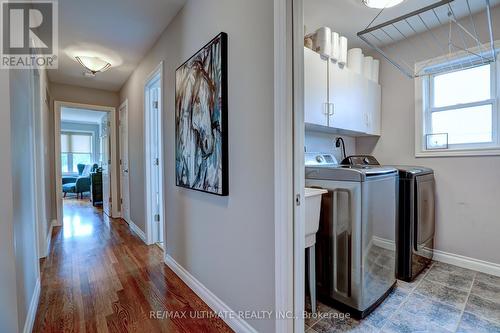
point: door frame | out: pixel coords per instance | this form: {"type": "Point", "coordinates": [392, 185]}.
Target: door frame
{"type": "Point", "coordinates": [38, 161]}
{"type": "Point", "coordinates": [123, 105]}
{"type": "Point", "coordinates": [58, 105]}
{"type": "Point", "coordinates": [289, 133]}
{"type": "Point", "coordinates": [157, 73]}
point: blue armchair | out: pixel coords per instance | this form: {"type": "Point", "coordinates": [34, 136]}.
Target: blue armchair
{"type": "Point", "coordinates": [80, 184]}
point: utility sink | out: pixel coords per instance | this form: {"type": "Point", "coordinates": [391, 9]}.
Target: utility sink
{"type": "Point", "coordinates": [313, 207]}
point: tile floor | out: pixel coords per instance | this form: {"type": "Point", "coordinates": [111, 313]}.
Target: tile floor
{"type": "Point", "coordinates": [444, 298]}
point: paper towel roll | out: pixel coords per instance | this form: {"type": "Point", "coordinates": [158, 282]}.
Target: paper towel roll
{"type": "Point", "coordinates": [323, 41]}
{"type": "Point", "coordinates": [375, 69]}
{"type": "Point", "coordinates": [335, 46]}
{"type": "Point", "coordinates": [342, 50]}
{"type": "Point", "coordinates": [367, 67]}
{"type": "Point", "coordinates": [355, 60]}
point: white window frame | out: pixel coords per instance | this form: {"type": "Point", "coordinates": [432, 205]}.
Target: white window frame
{"type": "Point", "coordinates": [424, 110]}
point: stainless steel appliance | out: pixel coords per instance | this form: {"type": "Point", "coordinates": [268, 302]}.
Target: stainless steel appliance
{"type": "Point", "coordinates": [355, 244]}
{"type": "Point", "coordinates": [416, 224]}
{"type": "Point", "coordinates": [415, 233]}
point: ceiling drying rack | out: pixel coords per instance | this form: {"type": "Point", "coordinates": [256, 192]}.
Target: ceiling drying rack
{"type": "Point", "coordinates": [461, 38]}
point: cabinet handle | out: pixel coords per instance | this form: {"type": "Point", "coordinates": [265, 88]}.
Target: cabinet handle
{"type": "Point", "coordinates": [326, 108]}
{"type": "Point", "coordinates": [331, 109]}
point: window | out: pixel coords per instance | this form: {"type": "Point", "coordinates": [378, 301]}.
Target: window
{"type": "Point", "coordinates": [76, 148]}
{"type": "Point", "coordinates": [460, 112]}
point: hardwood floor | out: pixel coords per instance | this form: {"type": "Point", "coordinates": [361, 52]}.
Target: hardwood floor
{"type": "Point", "coordinates": [100, 277]}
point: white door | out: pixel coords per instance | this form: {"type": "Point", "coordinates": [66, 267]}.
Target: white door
{"type": "Point", "coordinates": [106, 179]}
{"type": "Point", "coordinates": [124, 172]}
{"type": "Point", "coordinates": [315, 88]}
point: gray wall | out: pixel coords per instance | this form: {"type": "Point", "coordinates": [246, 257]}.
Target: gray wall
{"type": "Point", "coordinates": [320, 142]}
{"type": "Point", "coordinates": [8, 284]}
{"type": "Point", "coordinates": [75, 94]}
{"type": "Point", "coordinates": [23, 217]}
{"type": "Point", "coordinates": [226, 243]}
{"type": "Point", "coordinates": [467, 188]}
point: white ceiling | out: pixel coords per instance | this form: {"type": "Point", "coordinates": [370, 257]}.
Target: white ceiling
{"type": "Point", "coordinates": [81, 115]}
{"type": "Point", "coordinates": [119, 31]}
{"type": "Point", "coordinates": [348, 17]}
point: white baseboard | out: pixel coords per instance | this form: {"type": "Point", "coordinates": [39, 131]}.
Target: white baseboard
{"type": "Point", "coordinates": [450, 258]}
{"type": "Point", "coordinates": [57, 223]}
{"type": "Point", "coordinates": [384, 243]}
{"type": "Point", "coordinates": [466, 262]}
{"type": "Point", "coordinates": [136, 230]}
{"type": "Point", "coordinates": [236, 323]}
{"type": "Point", "coordinates": [30, 316]}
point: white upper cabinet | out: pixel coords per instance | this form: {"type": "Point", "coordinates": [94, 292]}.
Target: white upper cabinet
{"type": "Point", "coordinates": [347, 98]}
{"type": "Point", "coordinates": [315, 88]}
{"type": "Point", "coordinates": [351, 103]}
{"type": "Point", "coordinates": [372, 107]}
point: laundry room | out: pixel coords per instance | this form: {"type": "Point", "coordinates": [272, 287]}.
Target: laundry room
{"type": "Point", "coordinates": [401, 147]}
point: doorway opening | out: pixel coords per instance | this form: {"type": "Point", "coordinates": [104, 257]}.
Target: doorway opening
{"type": "Point", "coordinates": [85, 151]}
{"type": "Point", "coordinates": [153, 133]}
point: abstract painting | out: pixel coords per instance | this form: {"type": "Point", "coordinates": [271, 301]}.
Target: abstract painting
{"type": "Point", "coordinates": [201, 119]}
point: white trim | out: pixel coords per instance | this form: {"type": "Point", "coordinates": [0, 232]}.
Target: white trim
{"type": "Point", "coordinates": [230, 317]}
{"type": "Point", "coordinates": [384, 243]}
{"type": "Point", "coordinates": [136, 230]}
{"type": "Point", "coordinates": [449, 258]}
{"type": "Point", "coordinates": [467, 262]}
{"type": "Point", "coordinates": [283, 164]}
{"type": "Point", "coordinates": [158, 71]}
{"type": "Point", "coordinates": [39, 200]}
{"type": "Point", "coordinates": [124, 105]}
{"type": "Point", "coordinates": [57, 153]}
{"type": "Point", "coordinates": [30, 316]}
{"type": "Point", "coordinates": [458, 152]}
{"type": "Point", "coordinates": [424, 109]}
{"type": "Point", "coordinates": [298, 165]}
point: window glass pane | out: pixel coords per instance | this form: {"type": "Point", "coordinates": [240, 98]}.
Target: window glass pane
{"type": "Point", "coordinates": [64, 143]}
{"type": "Point", "coordinates": [64, 163]}
{"type": "Point", "coordinates": [81, 143]}
{"type": "Point", "coordinates": [80, 159]}
{"type": "Point", "coordinates": [470, 85]}
{"type": "Point", "coordinates": [468, 125]}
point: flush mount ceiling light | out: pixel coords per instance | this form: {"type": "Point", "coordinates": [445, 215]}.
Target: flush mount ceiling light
{"type": "Point", "coordinates": [93, 64]}
{"type": "Point", "coordinates": [380, 4]}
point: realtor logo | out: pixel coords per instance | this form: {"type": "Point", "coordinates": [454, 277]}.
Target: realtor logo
{"type": "Point", "coordinates": [29, 35]}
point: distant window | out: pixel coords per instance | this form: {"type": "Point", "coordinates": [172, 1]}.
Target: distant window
{"type": "Point", "coordinates": [460, 110]}
{"type": "Point", "coordinates": [76, 148]}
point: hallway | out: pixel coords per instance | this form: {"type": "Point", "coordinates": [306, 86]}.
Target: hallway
{"type": "Point", "coordinates": [100, 277]}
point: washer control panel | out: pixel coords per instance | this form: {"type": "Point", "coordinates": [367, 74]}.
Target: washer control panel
{"type": "Point", "coordinates": [320, 159]}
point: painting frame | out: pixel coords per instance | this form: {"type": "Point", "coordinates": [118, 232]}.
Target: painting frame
{"type": "Point", "coordinates": [221, 127]}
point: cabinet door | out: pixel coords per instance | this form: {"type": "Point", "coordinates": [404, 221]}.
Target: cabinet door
{"type": "Point", "coordinates": [315, 88]}
{"type": "Point", "coordinates": [372, 108]}
{"type": "Point", "coordinates": [356, 101]}
{"type": "Point", "coordinates": [346, 95]}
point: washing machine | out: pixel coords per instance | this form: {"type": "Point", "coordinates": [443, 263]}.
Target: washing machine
{"type": "Point", "coordinates": [355, 251]}
{"type": "Point", "coordinates": [415, 234]}
{"type": "Point", "coordinates": [416, 222]}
